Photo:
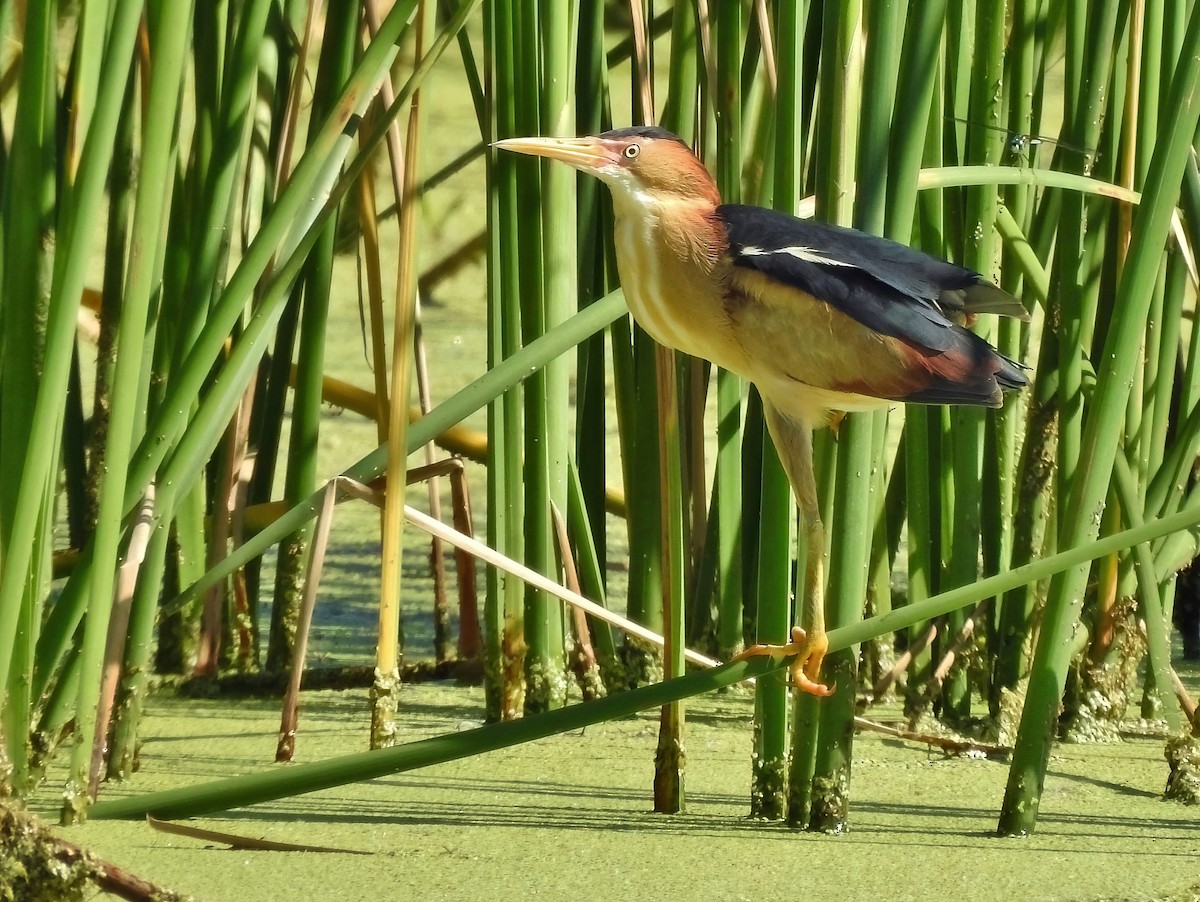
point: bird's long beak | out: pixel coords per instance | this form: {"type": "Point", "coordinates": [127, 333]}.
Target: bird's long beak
{"type": "Point", "coordinates": [588, 154]}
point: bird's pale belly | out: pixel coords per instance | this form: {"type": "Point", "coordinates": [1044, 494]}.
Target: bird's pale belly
{"type": "Point", "coordinates": [810, 404]}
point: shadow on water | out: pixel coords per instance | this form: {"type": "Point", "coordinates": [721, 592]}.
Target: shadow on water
{"type": "Point", "coordinates": [473, 802]}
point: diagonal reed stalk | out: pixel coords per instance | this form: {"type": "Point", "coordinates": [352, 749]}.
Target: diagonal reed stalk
{"type": "Point", "coordinates": [255, 788]}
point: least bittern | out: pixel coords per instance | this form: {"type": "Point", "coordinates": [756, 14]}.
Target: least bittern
{"type": "Point", "coordinates": [820, 318]}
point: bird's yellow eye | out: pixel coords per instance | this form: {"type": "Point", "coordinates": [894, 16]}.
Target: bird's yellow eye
{"type": "Point", "coordinates": [632, 151]}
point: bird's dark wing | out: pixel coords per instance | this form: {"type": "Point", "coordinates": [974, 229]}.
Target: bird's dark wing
{"type": "Point", "coordinates": [895, 295]}
{"type": "Point", "coordinates": [888, 287]}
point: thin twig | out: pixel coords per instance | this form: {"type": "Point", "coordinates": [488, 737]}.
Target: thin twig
{"type": "Point", "coordinates": [938, 677]}
{"type": "Point", "coordinates": [901, 664]}
{"type": "Point", "coordinates": [706, 49]}
{"type": "Point", "coordinates": [958, 746]}
{"type": "Point", "coordinates": [236, 440]}
{"type": "Point", "coordinates": [238, 842]}
{"type": "Point", "coordinates": [470, 637]}
{"type": "Point", "coordinates": [291, 116]}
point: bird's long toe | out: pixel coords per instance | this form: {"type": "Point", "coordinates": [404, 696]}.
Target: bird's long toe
{"type": "Point", "coordinates": [806, 652]}
{"type": "Point", "coordinates": [805, 668]}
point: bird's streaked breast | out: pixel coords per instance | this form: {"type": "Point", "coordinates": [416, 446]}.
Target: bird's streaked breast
{"type": "Point", "coordinates": [668, 285]}
{"type": "Point", "coordinates": [639, 265]}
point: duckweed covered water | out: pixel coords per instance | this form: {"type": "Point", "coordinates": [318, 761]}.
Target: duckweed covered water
{"type": "Point", "coordinates": [569, 817]}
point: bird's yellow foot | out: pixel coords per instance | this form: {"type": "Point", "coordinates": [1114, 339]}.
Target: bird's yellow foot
{"type": "Point", "coordinates": [805, 668]}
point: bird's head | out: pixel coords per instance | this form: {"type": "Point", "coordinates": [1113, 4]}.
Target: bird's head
{"type": "Point", "coordinates": [642, 165]}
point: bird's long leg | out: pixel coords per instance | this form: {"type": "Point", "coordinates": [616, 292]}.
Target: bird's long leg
{"type": "Point", "coordinates": [793, 441]}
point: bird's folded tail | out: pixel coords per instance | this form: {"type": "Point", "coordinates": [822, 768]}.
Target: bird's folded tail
{"type": "Point", "coordinates": [1011, 375]}
{"type": "Point", "coordinates": [971, 372]}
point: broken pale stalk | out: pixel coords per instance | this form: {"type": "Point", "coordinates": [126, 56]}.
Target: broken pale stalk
{"type": "Point", "coordinates": [441, 614]}
{"type": "Point", "coordinates": [538, 581]}
{"type": "Point", "coordinates": [938, 678]}
{"type": "Point", "coordinates": [583, 655]}
{"type": "Point", "coordinates": [901, 665]}
{"type": "Point", "coordinates": [118, 627]}
{"type": "Point", "coordinates": [945, 743]}
{"type": "Point", "coordinates": [286, 746]}
{"type": "Point", "coordinates": [477, 549]}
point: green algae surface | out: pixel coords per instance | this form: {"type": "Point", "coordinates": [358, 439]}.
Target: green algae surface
{"type": "Point", "coordinates": [569, 816]}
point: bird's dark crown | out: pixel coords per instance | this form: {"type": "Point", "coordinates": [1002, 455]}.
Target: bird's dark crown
{"type": "Point", "coordinates": [642, 131]}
